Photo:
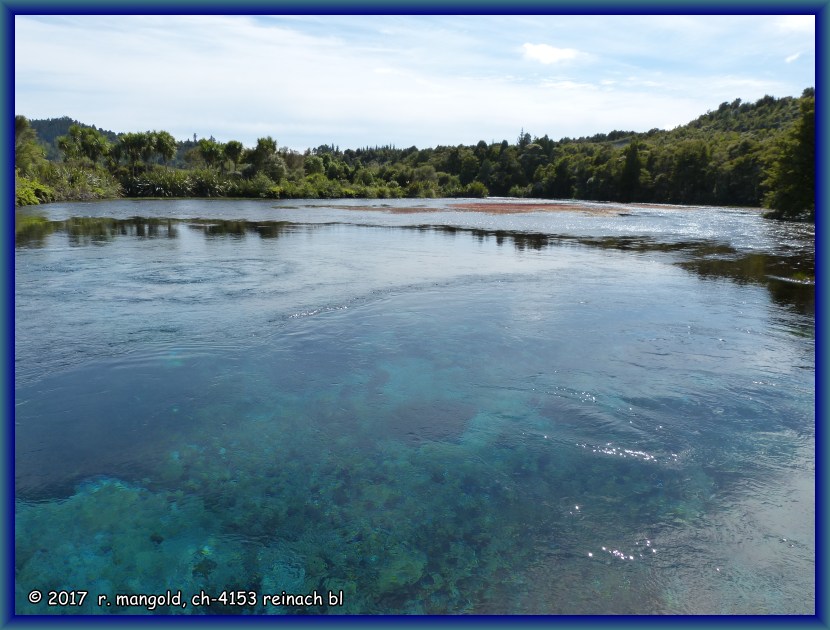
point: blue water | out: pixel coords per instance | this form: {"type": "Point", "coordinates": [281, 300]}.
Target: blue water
{"type": "Point", "coordinates": [430, 410]}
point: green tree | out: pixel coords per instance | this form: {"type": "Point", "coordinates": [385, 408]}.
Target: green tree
{"type": "Point", "coordinates": [630, 175]}
{"type": "Point", "coordinates": [148, 148]}
{"type": "Point", "coordinates": [313, 165]}
{"type": "Point", "coordinates": [133, 147]}
{"type": "Point", "coordinates": [555, 180]}
{"type": "Point", "coordinates": [233, 152]}
{"type": "Point", "coordinates": [791, 177]}
{"type": "Point", "coordinates": [211, 151]}
{"type": "Point", "coordinates": [165, 145]}
{"type": "Point", "coordinates": [531, 158]}
{"type": "Point", "coordinates": [28, 154]}
{"type": "Point", "coordinates": [94, 144]}
{"type": "Point", "coordinates": [469, 167]}
{"type": "Point", "coordinates": [83, 143]}
{"type": "Point", "coordinates": [263, 158]}
{"type": "Point", "coordinates": [30, 166]}
{"type": "Point", "coordinates": [70, 144]}
{"type": "Point", "coordinates": [689, 172]}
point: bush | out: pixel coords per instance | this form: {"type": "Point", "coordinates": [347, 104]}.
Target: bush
{"type": "Point", "coordinates": [159, 183]}
{"type": "Point", "coordinates": [76, 183]}
{"type": "Point", "coordinates": [520, 191]}
{"type": "Point", "coordinates": [207, 183]}
{"type": "Point", "coordinates": [390, 191]}
{"type": "Point", "coordinates": [260, 186]}
{"type": "Point", "coordinates": [420, 189]}
{"type": "Point", "coordinates": [176, 183]}
{"type": "Point", "coordinates": [31, 192]}
{"type": "Point", "coordinates": [316, 186]}
{"type": "Point", "coordinates": [476, 189]}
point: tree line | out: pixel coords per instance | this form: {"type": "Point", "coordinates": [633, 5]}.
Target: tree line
{"type": "Point", "coordinates": [742, 154]}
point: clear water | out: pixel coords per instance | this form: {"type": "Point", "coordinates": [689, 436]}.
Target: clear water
{"type": "Point", "coordinates": [430, 410]}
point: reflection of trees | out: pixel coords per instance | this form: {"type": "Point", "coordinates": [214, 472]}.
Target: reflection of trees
{"type": "Point", "coordinates": [801, 296]}
{"type": "Point", "coordinates": [219, 227]}
{"type": "Point", "coordinates": [272, 229]}
{"type": "Point", "coordinates": [755, 267]}
{"type": "Point", "coordinates": [96, 230]}
{"type": "Point", "coordinates": [86, 230]}
{"type": "Point", "coordinates": [31, 231]}
{"type": "Point", "coordinates": [789, 278]}
{"type": "Point", "coordinates": [149, 228]}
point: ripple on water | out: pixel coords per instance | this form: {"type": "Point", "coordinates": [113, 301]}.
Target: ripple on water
{"type": "Point", "coordinates": [463, 419]}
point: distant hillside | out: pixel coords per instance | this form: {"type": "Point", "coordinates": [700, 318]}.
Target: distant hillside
{"type": "Point", "coordinates": [724, 157]}
{"type": "Point", "coordinates": [766, 114]}
{"type": "Point", "coordinates": [49, 129]}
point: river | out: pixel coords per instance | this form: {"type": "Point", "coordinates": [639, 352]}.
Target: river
{"type": "Point", "coordinates": [433, 406]}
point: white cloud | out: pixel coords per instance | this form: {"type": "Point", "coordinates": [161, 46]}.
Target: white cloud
{"type": "Point", "coordinates": [792, 58]}
{"type": "Point", "coordinates": [433, 80]}
{"type": "Point", "coordinates": [798, 23]}
{"type": "Point", "coordinates": [568, 85]}
{"type": "Point", "coordinates": [547, 54]}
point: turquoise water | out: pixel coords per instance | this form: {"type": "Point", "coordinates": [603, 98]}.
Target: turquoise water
{"type": "Point", "coordinates": [432, 411]}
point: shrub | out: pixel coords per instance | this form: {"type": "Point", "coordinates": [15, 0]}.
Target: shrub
{"type": "Point", "coordinates": [259, 186]}
{"type": "Point", "coordinates": [520, 191]}
{"type": "Point", "coordinates": [420, 189]}
{"type": "Point", "coordinates": [159, 183]}
{"type": "Point", "coordinates": [82, 183]}
{"type": "Point", "coordinates": [208, 183]}
{"type": "Point", "coordinates": [30, 192]}
{"type": "Point", "coordinates": [476, 189]}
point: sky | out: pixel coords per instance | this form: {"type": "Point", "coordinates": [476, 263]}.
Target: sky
{"type": "Point", "coordinates": [365, 81]}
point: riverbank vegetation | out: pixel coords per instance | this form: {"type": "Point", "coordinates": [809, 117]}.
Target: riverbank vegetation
{"type": "Point", "coordinates": [741, 154]}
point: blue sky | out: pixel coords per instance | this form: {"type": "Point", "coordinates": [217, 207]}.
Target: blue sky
{"type": "Point", "coordinates": [357, 81]}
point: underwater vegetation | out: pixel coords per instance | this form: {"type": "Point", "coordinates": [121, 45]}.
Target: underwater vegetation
{"type": "Point", "coordinates": [282, 500]}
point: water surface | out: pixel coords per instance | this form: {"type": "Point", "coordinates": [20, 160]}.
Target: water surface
{"type": "Point", "coordinates": [432, 410]}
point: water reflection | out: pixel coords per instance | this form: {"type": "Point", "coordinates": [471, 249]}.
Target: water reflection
{"type": "Point", "coordinates": [88, 230]}
{"type": "Point", "coordinates": [788, 274]}
{"type": "Point", "coordinates": [32, 230]}
{"type": "Point", "coordinates": [264, 229]}
{"type": "Point", "coordinates": [789, 279]}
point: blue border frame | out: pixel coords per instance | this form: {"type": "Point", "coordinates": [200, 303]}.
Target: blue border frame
{"type": "Point", "coordinates": [822, 380]}
{"type": "Point", "coordinates": [10, 8]}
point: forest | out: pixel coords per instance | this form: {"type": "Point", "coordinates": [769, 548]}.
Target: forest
{"type": "Point", "coordinates": [759, 154]}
